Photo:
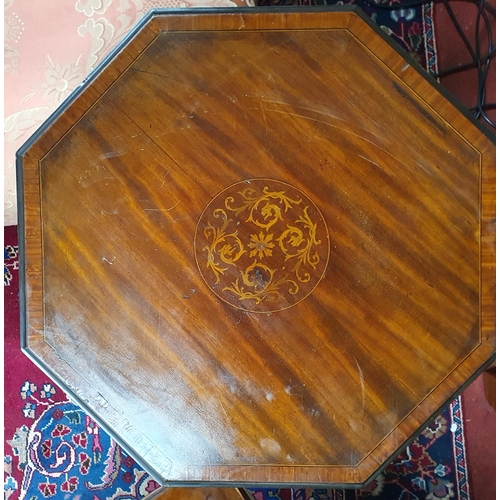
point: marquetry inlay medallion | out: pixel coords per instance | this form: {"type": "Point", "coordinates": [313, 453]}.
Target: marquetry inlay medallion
{"type": "Point", "coordinates": [262, 245]}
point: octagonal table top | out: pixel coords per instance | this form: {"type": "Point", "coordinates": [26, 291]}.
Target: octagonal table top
{"type": "Point", "coordinates": [258, 247]}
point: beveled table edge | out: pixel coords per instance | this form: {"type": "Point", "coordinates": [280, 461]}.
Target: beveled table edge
{"type": "Point", "coordinates": [79, 90]}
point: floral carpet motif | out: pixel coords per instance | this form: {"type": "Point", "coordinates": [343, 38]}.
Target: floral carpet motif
{"type": "Point", "coordinates": [64, 454]}
{"type": "Point", "coordinates": [54, 450]}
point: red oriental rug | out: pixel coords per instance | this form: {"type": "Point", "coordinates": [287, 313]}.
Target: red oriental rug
{"type": "Point", "coordinates": [54, 450]}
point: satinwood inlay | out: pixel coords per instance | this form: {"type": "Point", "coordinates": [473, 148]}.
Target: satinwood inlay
{"type": "Point", "coordinates": [262, 245]}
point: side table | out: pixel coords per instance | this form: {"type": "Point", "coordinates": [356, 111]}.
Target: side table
{"type": "Point", "coordinates": [259, 247]}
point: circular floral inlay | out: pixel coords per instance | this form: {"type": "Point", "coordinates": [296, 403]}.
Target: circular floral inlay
{"type": "Point", "coordinates": [261, 245]}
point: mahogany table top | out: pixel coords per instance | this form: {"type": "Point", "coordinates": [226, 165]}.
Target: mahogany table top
{"type": "Point", "coordinates": [259, 247]}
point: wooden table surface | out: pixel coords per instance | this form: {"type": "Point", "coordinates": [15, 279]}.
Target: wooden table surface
{"type": "Point", "coordinates": [259, 247]}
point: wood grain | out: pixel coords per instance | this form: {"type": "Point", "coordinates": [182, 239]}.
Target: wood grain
{"type": "Point", "coordinates": [202, 494]}
{"type": "Point", "coordinates": [259, 247]}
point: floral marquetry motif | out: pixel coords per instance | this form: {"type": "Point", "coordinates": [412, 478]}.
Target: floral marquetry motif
{"type": "Point", "coordinates": [262, 245]}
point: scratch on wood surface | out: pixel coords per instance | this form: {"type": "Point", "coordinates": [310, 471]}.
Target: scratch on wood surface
{"type": "Point", "coordinates": [369, 161]}
{"type": "Point", "coordinates": [316, 119]}
{"type": "Point", "coordinates": [163, 178]}
{"type": "Point", "coordinates": [362, 382]}
{"type": "Point", "coordinates": [320, 121]}
{"type": "Point", "coordinates": [85, 182]}
{"type": "Point", "coordinates": [167, 77]}
{"type": "Point", "coordinates": [160, 209]}
{"type": "Point", "coordinates": [305, 109]}
{"type": "Point", "coordinates": [101, 400]}
{"type": "Point", "coordinates": [264, 116]}
{"type": "Point", "coordinates": [252, 60]}
{"type": "Point", "coordinates": [225, 412]}
{"type": "Point", "coordinates": [423, 168]}
{"type": "Point", "coordinates": [340, 128]}
{"type": "Point", "coordinates": [112, 154]}
{"type": "Point", "coordinates": [368, 117]}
